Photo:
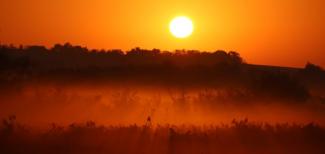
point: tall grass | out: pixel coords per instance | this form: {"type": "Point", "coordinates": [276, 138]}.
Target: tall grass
{"type": "Point", "coordinates": [239, 136]}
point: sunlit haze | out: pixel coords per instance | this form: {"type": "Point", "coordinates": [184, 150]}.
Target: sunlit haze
{"type": "Point", "coordinates": [162, 77]}
{"type": "Point", "coordinates": [275, 32]}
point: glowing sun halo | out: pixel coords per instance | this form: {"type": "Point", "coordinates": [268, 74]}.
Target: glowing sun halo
{"type": "Point", "coordinates": [181, 27]}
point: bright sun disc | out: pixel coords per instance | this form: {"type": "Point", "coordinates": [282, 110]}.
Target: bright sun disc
{"type": "Point", "coordinates": [181, 27]}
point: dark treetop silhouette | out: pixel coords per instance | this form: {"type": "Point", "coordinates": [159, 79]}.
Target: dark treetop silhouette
{"type": "Point", "coordinates": [181, 67]}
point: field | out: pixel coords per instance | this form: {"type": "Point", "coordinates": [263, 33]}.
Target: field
{"type": "Point", "coordinates": [149, 101]}
{"type": "Point", "coordinates": [238, 137]}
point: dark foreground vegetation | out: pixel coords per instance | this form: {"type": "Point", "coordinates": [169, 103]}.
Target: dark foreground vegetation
{"type": "Point", "coordinates": [71, 83]}
{"type": "Point", "coordinates": [240, 136]}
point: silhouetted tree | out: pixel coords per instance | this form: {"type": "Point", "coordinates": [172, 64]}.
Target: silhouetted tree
{"type": "Point", "coordinates": [281, 86]}
{"type": "Point", "coordinates": [312, 68]}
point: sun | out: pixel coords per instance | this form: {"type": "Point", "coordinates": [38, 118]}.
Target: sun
{"type": "Point", "coordinates": [181, 27]}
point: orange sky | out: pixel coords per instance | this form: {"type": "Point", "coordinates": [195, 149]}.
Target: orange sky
{"type": "Point", "coordinates": [277, 32]}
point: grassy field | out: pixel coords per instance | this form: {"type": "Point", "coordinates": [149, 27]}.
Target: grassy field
{"type": "Point", "coordinates": [239, 136]}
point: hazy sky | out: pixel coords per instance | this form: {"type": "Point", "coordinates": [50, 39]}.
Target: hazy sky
{"type": "Point", "coordinates": [277, 32]}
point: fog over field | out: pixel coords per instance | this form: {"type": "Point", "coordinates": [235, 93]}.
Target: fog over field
{"type": "Point", "coordinates": [69, 99]}
{"type": "Point", "coordinates": [120, 104]}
